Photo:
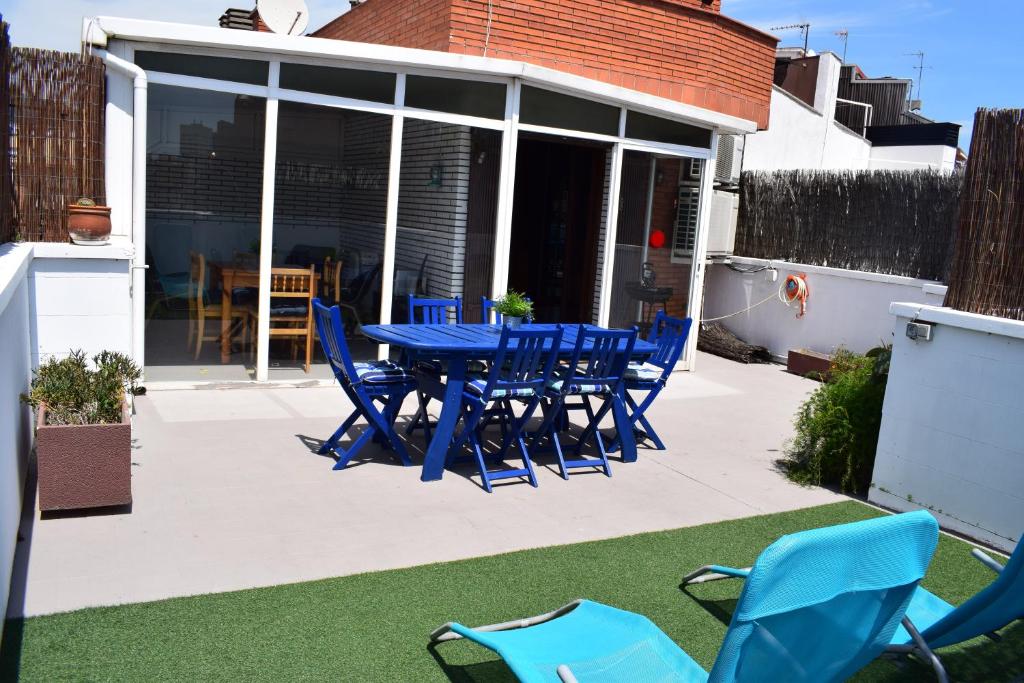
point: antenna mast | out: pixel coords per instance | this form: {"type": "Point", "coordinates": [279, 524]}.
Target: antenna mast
{"type": "Point", "coordinates": [805, 29]}
{"type": "Point", "coordinates": [919, 69]}
{"type": "Point", "coordinates": [844, 36]}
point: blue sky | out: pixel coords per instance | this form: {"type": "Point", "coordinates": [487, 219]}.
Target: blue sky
{"type": "Point", "coordinates": [972, 46]}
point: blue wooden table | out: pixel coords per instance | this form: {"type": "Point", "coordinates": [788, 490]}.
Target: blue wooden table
{"type": "Point", "coordinates": [456, 345]}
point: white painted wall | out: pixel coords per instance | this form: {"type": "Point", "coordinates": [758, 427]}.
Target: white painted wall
{"type": "Point", "coordinates": [80, 298]}
{"type": "Point", "coordinates": [952, 436]}
{"type": "Point", "coordinates": [800, 136]}
{"type": "Point", "coordinates": [15, 417]}
{"type": "Point", "coordinates": [914, 157]}
{"type": "Point", "coordinates": [846, 307]}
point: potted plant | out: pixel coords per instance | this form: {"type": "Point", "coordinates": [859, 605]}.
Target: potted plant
{"type": "Point", "coordinates": [514, 308]}
{"type": "Point", "coordinates": [88, 223]}
{"type": "Point", "coordinates": [83, 430]}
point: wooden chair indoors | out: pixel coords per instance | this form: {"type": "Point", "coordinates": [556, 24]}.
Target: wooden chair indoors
{"type": "Point", "coordinates": [201, 308]}
{"type": "Point", "coordinates": [330, 283]}
{"type": "Point", "coordinates": [292, 291]}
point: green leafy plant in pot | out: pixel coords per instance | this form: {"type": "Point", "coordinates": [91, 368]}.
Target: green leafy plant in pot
{"type": "Point", "coordinates": [83, 430]}
{"type": "Point", "coordinates": [88, 222]}
{"type": "Point", "coordinates": [514, 308]}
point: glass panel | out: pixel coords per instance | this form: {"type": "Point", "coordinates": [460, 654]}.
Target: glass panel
{"type": "Point", "coordinates": [546, 108]}
{"type": "Point", "coordinates": [204, 173]}
{"type": "Point", "coordinates": [472, 98]}
{"type": "Point", "coordinates": [654, 128]}
{"type": "Point", "coordinates": [644, 278]}
{"type": "Point", "coordinates": [221, 68]}
{"type": "Point", "coordinates": [558, 217]}
{"type": "Point", "coordinates": [447, 215]}
{"type": "Point", "coordinates": [329, 212]}
{"type": "Point", "coordinates": [374, 86]}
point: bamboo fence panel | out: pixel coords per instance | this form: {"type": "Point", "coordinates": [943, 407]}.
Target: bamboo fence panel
{"type": "Point", "coordinates": [8, 225]}
{"type": "Point", "coordinates": [892, 222]}
{"type": "Point", "coordinates": [57, 100]}
{"type": "Point", "coordinates": [988, 263]}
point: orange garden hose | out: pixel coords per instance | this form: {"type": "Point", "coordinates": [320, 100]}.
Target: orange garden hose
{"type": "Point", "coordinates": [795, 289]}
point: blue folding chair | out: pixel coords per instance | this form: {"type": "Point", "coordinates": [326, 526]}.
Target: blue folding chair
{"type": "Point", "coordinates": [487, 308]}
{"type": "Point", "coordinates": [818, 606]}
{"type": "Point", "coordinates": [521, 371]}
{"type": "Point", "coordinates": [424, 311]}
{"type": "Point", "coordinates": [596, 372]}
{"type": "Point", "coordinates": [652, 375]}
{"type": "Point", "coordinates": [990, 609]}
{"type": "Point", "coordinates": [364, 382]}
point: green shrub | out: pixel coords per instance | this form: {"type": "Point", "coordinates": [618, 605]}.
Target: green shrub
{"type": "Point", "coordinates": [837, 427]}
{"type": "Point", "coordinates": [76, 394]}
{"type": "Point", "coordinates": [514, 304]}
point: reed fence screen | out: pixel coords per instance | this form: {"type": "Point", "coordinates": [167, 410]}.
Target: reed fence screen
{"type": "Point", "coordinates": [892, 222]}
{"type": "Point", "coordinates": [7, 224]}
{"type": "Point", "coordinates": [55, 138]}
{"type": "Point", "coordinates": [988, 263]}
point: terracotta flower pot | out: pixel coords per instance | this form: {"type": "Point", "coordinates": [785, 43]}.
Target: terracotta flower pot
{"type": "Point", "coordinates": [84, 466]}
{"type": "Point", "coordinates": [89, 224]}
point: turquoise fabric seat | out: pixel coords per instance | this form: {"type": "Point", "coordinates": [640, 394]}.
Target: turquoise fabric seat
{"type": "Point", "coordinates": [990, 609]}
{"type": "Point", "coordinates": [817, 606]}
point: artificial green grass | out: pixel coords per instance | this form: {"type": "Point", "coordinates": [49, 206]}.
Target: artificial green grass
{"type": "Point", "coordinates": [374, 627]}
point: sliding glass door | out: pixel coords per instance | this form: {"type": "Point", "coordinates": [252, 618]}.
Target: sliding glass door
{"type": "Point", "coordinates": [204, 163]}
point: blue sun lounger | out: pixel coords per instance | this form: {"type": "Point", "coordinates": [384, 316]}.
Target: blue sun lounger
{"type": "Point", "coordinates": [817, 606]}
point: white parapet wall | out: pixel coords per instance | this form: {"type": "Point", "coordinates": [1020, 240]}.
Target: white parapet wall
{"type": "Point", "coordinates": [952, 435]}
{"type": "Point", "coordinates": [15, 417]}
{"type": "Point", "coordinates": [81, 299]}
{"type": "Point", "coordinates": [53, 298]}
{"type": "Point", "coordinates": [848, 308]}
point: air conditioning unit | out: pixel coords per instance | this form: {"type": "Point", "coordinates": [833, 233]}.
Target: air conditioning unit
{"type": "Point", "coordinates": [725, 210]}
{"type": "Point", "coordinates": [729, 159]}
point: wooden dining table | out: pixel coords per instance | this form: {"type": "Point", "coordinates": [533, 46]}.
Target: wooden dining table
{"type": "Point", "coordinates": [458, 344]}
{"type": "Point", "coordinates": [231, 276]}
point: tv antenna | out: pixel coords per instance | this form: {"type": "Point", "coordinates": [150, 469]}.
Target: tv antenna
{"type": "Point", "coordinates": [920, 68]}
{"type": "Point", "coordinates": [287, 17]}
{"type": "Point", "coordinates": [805, 29]}
{"type": "Point", "coordinates": [844, 36]}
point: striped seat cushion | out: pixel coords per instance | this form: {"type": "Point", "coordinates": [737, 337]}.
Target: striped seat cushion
{"type": "Point", "coordinates": [477, 381]}
{"type": "Point", "coordinates": [381, 372]}
{"type": "Point", "coordinates": [642, 372]}
{"type": "Point", "coordinates": [436, 368]}
{"type": "Point", "coordinates": [554, 384]}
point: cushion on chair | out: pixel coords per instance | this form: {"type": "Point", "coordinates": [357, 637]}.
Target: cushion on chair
{"type": "Point", "coordinates": [642, 372]}
{"type": "Point", "coordinates": [554, 384]}
{"type": "Point", "coordinates": [476, 382]}
{"type": "Point", "coordinates": [381, 372]}
{"type": "Point", "coordinates": [289, 310]}
{"type": "Point", "coordinates": [436, 368]}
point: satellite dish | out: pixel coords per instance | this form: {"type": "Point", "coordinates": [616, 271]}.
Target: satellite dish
{"type": "Point", "coordinates": [288, 17]}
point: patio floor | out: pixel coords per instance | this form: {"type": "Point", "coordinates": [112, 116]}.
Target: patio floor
{"type": "Point", "coordinates": [229, 494]}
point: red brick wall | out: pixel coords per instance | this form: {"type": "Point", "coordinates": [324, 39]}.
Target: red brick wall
{"type": "Point", "coordinates": [678, 49]}
{"type": "Point", "coordinates": [663, 216]}
{"type": "Point", "coordinates": [421, 24]}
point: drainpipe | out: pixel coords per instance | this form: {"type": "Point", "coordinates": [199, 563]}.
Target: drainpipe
{"type": "Point", "coordinates": [138, 277]}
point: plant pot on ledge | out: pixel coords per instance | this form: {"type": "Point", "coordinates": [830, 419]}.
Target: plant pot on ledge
{"type": "Point", "coordinates": [84, 466]}
{"type": "Point", "coordinates": [88, 224]}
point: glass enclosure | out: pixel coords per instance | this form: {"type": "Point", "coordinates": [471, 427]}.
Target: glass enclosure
{"type": "Point", "coordinates": [205, 175]}
{"type": "Point", "coordinates": [659, 209]}
{"type": "Point", "coordinates": [204, 171]}
{"type": "Point", "coordinates": [330, 205]}
{"type": "Point", "coordinates": [447, 215]}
